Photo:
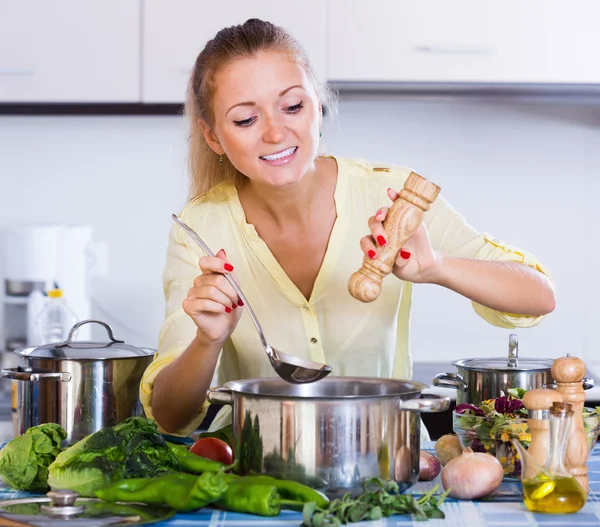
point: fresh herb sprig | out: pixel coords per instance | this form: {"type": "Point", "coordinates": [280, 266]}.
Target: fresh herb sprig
{"type": "Point", "coordinates": [379, 499]}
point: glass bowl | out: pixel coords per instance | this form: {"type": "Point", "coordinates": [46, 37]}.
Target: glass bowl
{"type": "Point", "coordinates": [494, 435]}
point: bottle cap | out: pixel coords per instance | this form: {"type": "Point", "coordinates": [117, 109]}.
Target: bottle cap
{"type": "Point", "coordinates": [55, 293]}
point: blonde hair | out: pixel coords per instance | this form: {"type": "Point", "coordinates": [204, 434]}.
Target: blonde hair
{"type": "Point", "coordinates": [229, 44]}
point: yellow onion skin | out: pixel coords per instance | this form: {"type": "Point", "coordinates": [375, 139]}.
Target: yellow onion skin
{"type": "Point", "coordinates": [447, 447]}
{"type": "Point", "coordinates": [472, 475]}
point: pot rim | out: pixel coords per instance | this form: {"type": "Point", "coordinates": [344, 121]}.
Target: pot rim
{"type": "Point", "coordinates": [234, 387]}
{"type": "Point", "coordinates": [463, 363]}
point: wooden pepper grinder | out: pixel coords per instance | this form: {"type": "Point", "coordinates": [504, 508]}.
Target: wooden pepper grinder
{"type": "Point", "coordinates": [539, 402]}
{"type": "Point", "coordinates": [402, 221]}
{"type": "Point", "coordinates": [568, 372]}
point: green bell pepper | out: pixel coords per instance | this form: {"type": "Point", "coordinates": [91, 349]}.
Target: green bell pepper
{"type": "Point", "coordinates": [180, 491]}
{"type": "Point", "coordinates": [289, 490]}
{"type": "Point", "coordinates": [261, 499]}
{"type": "Point", "coordinates": [194, 464]}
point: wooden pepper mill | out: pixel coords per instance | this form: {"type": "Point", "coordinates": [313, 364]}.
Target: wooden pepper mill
{"type": "Point", "coordinates": [402, 221]}
{"type": "Point", "coordinates": [539, 402]}
{"type": "Point", "coordinates": [568, 372]}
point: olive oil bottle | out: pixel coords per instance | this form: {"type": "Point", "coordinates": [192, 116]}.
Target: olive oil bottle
{"type": "Point", "coordinates": [553, 489]}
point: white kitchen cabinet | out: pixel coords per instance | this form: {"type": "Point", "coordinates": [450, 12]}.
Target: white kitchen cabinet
{"type": "Point", "coordinates": [69, 51]}
{"type": "Point", "coordinates": [464, 41]}
{"type": "Point", "coordinates": [175, 32]}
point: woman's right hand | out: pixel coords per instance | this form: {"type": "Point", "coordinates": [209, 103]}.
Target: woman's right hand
{"type": "Point", "coordinates": [212, 303]}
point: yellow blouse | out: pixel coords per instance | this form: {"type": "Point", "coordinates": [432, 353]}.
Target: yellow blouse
{"type": "Point", "coordinates": [332, 327]}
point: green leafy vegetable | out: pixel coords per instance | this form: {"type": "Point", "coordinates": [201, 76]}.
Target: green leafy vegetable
{"type": "Point", "coordinates": [132, 449]}
{"type": "Point", "coordinates": [24, 461]}
{"type": "Point", "coordinates": [380, 499]}
{"type": "Point", "coordinates": [224, 434]}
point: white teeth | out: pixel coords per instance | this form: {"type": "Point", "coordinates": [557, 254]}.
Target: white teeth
{"type": "Point", "coordinates": [285, 153]}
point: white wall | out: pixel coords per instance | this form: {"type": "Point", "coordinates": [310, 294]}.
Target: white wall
{"type": "Point", "coordinates": [526, 172]}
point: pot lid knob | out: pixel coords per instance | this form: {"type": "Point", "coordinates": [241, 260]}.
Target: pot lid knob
{"type": "Point", "coordinates": [513, 351]}
{"type": "Point", "coordinates": [63, 497]}
{"type": "Point", "coordinates": [568, 369]}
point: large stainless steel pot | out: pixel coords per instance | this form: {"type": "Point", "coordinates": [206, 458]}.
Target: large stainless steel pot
{"type": "Point", "coordinates": [82, 386]}
{"type": "Point", "coordinates": [333, 434]}
{"type": "Point", "coordinates": [478, 379]}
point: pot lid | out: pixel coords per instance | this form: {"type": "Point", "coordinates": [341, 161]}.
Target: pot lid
{"type": "Point", "coordinates": [85, 350]}
{"type": "Point", "coordinates": [511, 363]}
{"type": "Point", "coordinates": [65, 507]}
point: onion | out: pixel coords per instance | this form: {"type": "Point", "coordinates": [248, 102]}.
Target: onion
{"type": "Point", "coordinates": [447, 447]}
{"type": "Point", "coordinates": [472, 475]}
{"type": "Point", "coordinates": [429, 466]}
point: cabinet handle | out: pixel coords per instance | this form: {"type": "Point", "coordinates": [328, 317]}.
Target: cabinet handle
{"type": "Point", "coordinates": [15, 72]}
{"type": "Point", "coordinates": [454, 49]}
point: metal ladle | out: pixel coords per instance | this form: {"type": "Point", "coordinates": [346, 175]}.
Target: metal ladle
{"type": "Point", "coordinates": [291, 369]}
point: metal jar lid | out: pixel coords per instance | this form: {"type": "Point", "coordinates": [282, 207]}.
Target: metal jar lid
{"type": "Point", "coordinates": [85, 350]}
{"type": "Point", "coordinates": [510, 363]}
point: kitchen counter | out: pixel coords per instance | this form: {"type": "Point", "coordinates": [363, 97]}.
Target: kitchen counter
{"type": "Point", "coordinates": [503, 508]}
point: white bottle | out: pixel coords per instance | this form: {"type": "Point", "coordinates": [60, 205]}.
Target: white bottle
{"type": "Point", "coordinates": [55, 320]}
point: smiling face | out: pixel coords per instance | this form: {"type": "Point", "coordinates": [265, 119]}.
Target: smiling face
{"type": "Point", "coordinates": [267, 117]}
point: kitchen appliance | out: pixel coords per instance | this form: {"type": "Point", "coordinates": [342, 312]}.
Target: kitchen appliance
{"type": "Point", "coordinates": [478, 379]}
{"type": "Point", "coordinates": [331, 435]}
{"type": "Point", "coordinates": [83, 386]}
{"type": "Point", "coordinates": [33, 258]}
{"type": "Point", "coordinates": [292, 369]}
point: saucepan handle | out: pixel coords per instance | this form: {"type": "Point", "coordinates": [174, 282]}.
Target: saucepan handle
{"type": "Point", "coordinates": [450, 380]}
{"type": "Point", "coordinates": [18, 374]}
{"type": "Point", "coordinates": [219, 395]}
{"type": "Point", "coordinates": [588, 384]}
{"type": "Point", "coordinates": [427, 403]}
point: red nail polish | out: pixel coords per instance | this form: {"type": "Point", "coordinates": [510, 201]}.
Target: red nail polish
{"type": "Point", "coordinates": [227, 309]}
{"type": "Point", "coordinates": [233, 306]}
{"type": "Point", "coordinates": [372, 254]}
{"type": "Point", "coordinates": [381, 240]}
{"type": "Point", "coordinates": [405, 254]}
{"type": "Point", "coordinates": [228, 267]}
{"type": "Point", "coordinates": [240, 303]}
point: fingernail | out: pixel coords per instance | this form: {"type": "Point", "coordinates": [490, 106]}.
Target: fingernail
{"type": "Point", "coordinates": [405, 254]}
{"type": "Point", "coordinates": [224, 252]}
{"type": "Point", "coordinates": [372, 253]}
{"type": "Point", "coordinates": [228, 267]}
{"type": "Point", "coordinates": [389, 189]}
{"type": "Point", "coordinates": [381, 240]}
{"type": "Point", "coordinates": [227, 309]}
{"type": "Point", "coordinates": [240, 303]}
{"type": "Point", "coordinates": [233, 306]}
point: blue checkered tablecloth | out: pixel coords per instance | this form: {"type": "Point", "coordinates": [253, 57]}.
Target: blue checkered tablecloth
{"type": "Point", "coordinates": [504, 508]}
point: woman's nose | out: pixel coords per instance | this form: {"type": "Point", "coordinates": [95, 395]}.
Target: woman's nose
{"type": "Point", "coordinates": [274, 132]}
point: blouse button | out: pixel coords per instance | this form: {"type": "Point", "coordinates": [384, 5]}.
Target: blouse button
{"type": "Point", "coordinates": [306, 307]}
{"type": "Point", "coordinates": [313, 340]}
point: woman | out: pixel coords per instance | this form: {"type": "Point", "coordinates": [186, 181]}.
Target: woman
{"type": "Point", "coordinates": [293, 225]}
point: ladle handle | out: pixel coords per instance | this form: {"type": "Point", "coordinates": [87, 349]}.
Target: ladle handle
{"type": "Point", "coordinates": [230, 278]}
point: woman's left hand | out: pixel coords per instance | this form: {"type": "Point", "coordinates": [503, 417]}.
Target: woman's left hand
{"type": "Point", "coordinates": [416, 261]}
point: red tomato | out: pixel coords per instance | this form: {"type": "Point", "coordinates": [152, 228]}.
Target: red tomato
{"type": "Point", "coordinates": [213, 448]}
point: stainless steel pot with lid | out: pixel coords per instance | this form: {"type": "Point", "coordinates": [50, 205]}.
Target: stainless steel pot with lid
{"type": "Point", "coordinates": [331, 435]}
{"type": "Point", "coordinates": [83, 386]}
{"type": "Point", "coordinates": [478, 379]}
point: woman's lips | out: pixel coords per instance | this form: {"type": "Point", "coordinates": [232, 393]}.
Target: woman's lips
{"type": "Point", "coordinates": [281, 160]}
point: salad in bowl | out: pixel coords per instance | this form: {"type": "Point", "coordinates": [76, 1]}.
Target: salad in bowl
{"type": "Point", "coordinates": [490, 426]}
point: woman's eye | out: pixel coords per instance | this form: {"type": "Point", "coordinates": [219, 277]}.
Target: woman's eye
{"type": "Point", "coordinates": [245, 122]}
{"type": "Point", "coordinates": [296, 108]}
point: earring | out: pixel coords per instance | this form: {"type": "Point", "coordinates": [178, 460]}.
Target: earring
{"type": "Point", "coordinates": [220, 159]}
{"type": "Point", "coordinates": [320, 134]}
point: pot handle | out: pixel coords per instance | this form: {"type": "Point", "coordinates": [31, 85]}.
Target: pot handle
{"type": "Point", "coordinates": [427, 403]}
{"type": "Point", "coordinates": [18, 374]}
{"type": "Point", "coordinates": [588, 384]}
{"type": "Point", "coordinates": [450, 380]}
{"type": "Point", "coordinates": [79, 324]}
{"type": "Point", "coordinates": [219, 395]}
